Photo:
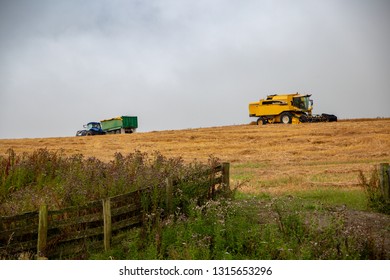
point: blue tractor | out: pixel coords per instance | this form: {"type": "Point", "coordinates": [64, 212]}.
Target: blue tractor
{"type": "Point", "coordinates": [92, 128]}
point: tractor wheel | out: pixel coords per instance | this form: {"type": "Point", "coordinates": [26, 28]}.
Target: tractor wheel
{"type": "Point", "coordinates": [286, 118]}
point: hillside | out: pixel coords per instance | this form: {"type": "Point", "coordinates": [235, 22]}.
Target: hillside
{"type": "Point", "coordinates": [306, 173]}
{"type": "Point", "coordinates": [271, 158]}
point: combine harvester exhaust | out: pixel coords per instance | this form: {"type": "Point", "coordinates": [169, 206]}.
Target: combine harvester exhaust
{"type": "Point", "coordinates": [287, 108]}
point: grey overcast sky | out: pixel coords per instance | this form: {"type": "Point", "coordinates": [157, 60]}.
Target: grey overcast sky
{"type": "Point", "coordinates": [186, 64]}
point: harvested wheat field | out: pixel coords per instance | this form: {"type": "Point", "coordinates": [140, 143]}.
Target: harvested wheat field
{"type": "Point", "coordinates": [312, 167]}
{"type": "Point", "coordinates": [271, 158]}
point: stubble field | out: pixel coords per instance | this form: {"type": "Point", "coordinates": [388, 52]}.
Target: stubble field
{"type": "Point", "coordinates": [271, 159]}
{"type": "Point", "coordinates": [311, 170]}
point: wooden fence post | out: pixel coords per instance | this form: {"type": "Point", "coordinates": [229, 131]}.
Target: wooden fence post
{"type": "Point", "coordinates": [384, 178]}
{"type": "Point", "coordinates": [212, 183]}
{"type": "Point", "coordinates": [42, 231]}
{"type": "Point", "coordinates": [169, 195]}
{"type": "Point", "coordinates": [388, 183]}
{"type": "Point", "coordinates": [107, 223]}
{"type": "Point", "coordinates": [225, 176]}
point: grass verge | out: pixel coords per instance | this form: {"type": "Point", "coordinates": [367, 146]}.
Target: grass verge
{"type": "Point", "coordinates": [280, 228]}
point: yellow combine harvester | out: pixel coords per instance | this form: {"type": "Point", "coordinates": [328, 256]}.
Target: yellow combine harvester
{"type": "Point", "coordinates": [286, 108]}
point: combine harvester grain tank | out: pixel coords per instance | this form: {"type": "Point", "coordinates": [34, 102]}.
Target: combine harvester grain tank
{"type": "Point", "coordinates": [287, 108]}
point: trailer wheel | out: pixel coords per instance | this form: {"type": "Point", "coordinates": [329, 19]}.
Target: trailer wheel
{"type": "Point", "coordinates": [286, 118]}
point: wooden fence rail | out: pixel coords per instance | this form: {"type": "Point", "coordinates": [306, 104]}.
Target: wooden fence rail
{"type": "Point", "coordinates": [56, 233]}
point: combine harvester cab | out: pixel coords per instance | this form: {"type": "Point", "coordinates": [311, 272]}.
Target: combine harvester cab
{"type": "Point", "coordinates": [287, 108]}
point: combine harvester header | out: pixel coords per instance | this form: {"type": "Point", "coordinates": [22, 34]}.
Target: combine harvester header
{"type": "Point", "coordinates": [287, 108]}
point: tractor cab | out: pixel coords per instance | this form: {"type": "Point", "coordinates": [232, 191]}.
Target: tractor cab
{"type": "Point", "coordinates": [92, 128]}
{"type": "Point", "coordinates": [95, 126]}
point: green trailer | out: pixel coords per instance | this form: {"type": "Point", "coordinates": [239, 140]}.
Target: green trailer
{"type": "Point", "coordinates": [122, 124]}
